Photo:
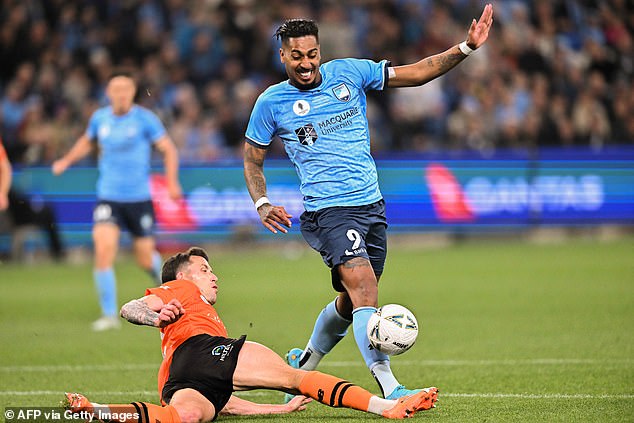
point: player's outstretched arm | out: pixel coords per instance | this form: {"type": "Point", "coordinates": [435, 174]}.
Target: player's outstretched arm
{"type": "Point", "coordinates": [170, 162]}
{"type": "Point", "coordinates": [241, 407]}
{"type": "Point", "coordinates": [152, 311]}
{"type": "Point", "coordinates": [434, 66]}
{"type": "Point", "coordinates": [274, 218]}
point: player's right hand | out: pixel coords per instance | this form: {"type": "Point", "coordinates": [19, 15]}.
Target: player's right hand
{"type": "Point", "coordinates": [59, 167]}
{"type": "Point", "coordinates": [273, 217]}
{"type": "Point", "coordinates": [170, 313]}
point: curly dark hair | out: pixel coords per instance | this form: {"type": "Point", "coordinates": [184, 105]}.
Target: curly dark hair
{"type": "Point", "coordinates": [293, 28]}
{"type": "Point", "coordinates": [173, 264]}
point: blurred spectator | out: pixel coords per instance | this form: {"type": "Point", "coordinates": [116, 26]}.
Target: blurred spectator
{"type": "Point", "coordinates": [56, 57]}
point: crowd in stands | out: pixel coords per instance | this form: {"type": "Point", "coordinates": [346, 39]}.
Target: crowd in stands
{"type": "Point", "coordinates": [553, 73]}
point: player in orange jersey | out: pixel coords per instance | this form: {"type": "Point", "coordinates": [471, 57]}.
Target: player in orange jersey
{"type": "Point", "coordinates": [202, 367]}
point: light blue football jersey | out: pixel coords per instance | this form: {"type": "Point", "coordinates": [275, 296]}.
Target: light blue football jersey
{"type": "Point", "coordinates": [325, 132]}
{"type": "Point", "coordinates": [125, 152]}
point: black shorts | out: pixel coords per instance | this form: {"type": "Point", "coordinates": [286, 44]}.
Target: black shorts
{"type": "Point", "coordinates": [136, 217]}
{"type": "Point", "coordinates": [342, 233]}
{"type": "Point", "coordinates": [205, 363]}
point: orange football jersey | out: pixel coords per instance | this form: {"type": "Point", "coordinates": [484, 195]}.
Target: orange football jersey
{"type": "Point", "coordinates": [200, 317]}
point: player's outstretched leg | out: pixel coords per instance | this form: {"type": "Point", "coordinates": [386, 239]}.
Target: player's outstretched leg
{"type": "Point", "coordinates": [136, 412]}
{"type": "Point", "coordinates": [336, 392]}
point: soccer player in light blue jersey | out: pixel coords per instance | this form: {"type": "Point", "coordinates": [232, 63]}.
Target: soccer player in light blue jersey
{"type": "Point", "coordinates": [125, 134]}
{"type": "Point", "coordinates": [319, 114]}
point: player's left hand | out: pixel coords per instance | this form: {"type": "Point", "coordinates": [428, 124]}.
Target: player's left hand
{"type": "Point", "coordinates": [298, 403]}
{"type": "Point", "coordinates": [479, 31]}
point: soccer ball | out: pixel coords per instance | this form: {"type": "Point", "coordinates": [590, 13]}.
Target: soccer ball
{"type": "Point", "coordinates": [392, 329]}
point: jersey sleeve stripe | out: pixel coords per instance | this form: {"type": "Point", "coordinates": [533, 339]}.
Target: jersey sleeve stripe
{"type": "Point", "coordinates": [256, 143]}
{"type": "Point", "coordinates": [386, 74]}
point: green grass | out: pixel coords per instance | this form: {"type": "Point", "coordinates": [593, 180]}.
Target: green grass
{"type": "Point", "coordinates": [511, 332]}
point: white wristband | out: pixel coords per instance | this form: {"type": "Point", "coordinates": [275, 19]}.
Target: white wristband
{"type": "Point", "coordinates": [261, 201]}
{"type": "Point", "coordinates": [465, 49]}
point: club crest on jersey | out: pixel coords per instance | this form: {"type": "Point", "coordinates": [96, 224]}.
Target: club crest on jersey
{"type": "Point", "coordinates": [307, 134]}
{"type": "Point", "coordinates": [342, 92]}
{"type": "Point", "coordinates": [301, 107]}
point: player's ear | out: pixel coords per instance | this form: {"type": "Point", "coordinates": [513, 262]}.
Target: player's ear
{"type": "Point", "coordinates": [180, 276]}
{"type": "Point", "coordinates": [281, 55]}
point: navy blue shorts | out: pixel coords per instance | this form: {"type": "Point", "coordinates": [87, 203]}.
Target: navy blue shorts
{"type": "Point", "coordinates": [136, 217]}
{"type": "Point", "coordinates": [342, 233]}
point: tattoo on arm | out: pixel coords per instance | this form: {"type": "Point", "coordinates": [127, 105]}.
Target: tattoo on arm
{"type": "Point", "coordinates": [254, 173]}
{"type": "Point", "coordinates": [449, 60]}
{"type": "Point", "coordinates": [138, 312]}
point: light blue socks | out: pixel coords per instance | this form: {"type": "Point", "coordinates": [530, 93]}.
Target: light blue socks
{"type": "Point", "coordinates": [107, 290]}
{"type": "Point", "coordinates": [157, 264]}
{"type": "Point", "coordinates": [360, 317]}
{"type": "Point", "coordinates": [377, 362]}
{"type": "Point", "coordinates": [330, 328]}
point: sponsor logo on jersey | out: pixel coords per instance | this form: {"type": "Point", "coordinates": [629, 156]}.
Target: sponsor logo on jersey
{"type": "Point", "coordinates": [342, 92]}
{"type": "Point", "coordinates": [338, 121]}
{"type": "Point", "coordinates": [301, 107]}
{"type": "Point", "coordinates": [306, 134]}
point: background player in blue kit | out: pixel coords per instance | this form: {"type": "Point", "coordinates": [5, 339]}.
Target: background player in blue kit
{"type": "Point", "coordinates": [319, 113]}
{"type": "Point", "coordinates": [125, 134]}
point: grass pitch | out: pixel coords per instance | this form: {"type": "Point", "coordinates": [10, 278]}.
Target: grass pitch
{"type": "Point", "coordinates": [511, 332]}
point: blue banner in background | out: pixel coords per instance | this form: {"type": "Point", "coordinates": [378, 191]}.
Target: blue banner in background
{"type": "Point", "coordinates": [437, 193]}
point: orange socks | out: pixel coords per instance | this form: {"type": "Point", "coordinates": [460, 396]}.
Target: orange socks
{"type": "Point", "coordinates": [137, 412]}
{"type": "Point", "coordinates": [335, 392]}
{"type": "Point", "coordinates": [150, 413]}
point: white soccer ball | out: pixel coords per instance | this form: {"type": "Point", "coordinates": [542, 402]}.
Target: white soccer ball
{"type": "Point", "coordinates": [392, 329]}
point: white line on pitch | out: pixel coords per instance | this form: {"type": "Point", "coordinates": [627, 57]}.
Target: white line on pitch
{"type": "Point", "coordinates": [80, 367]}
{"type": "Point", "coordinates": [359, 363]}
{"type": "Point", "coordinates": [266, 393]}
{"type": "Point", "coordinates": [510, 362]}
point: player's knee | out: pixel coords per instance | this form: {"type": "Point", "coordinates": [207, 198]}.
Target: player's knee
{"type": "Point", "coordinates": [364, 288]}
{"type": "Point", "coordinates": [364, 297]}
{"type": "Point", "coordinates": [190, 414]}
